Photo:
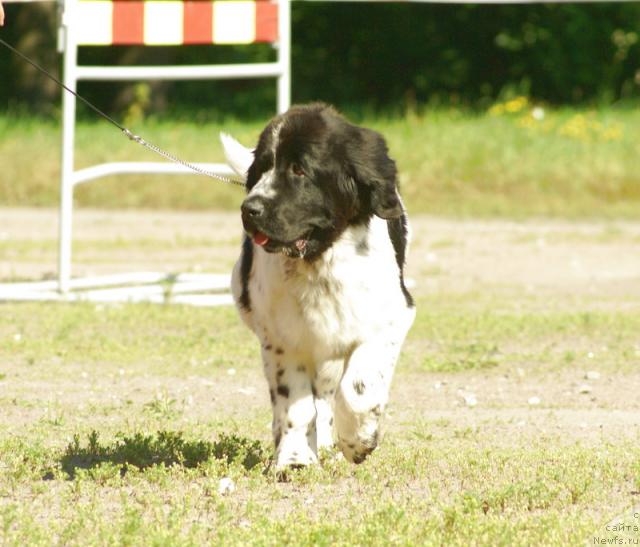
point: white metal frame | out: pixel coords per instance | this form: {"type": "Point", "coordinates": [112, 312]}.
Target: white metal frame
{"type": "Point", "coordinates": [70, 178]}
{"type": "Point", "coordinates": [194, 289]}
{"type": "Point", "coordinates": [155, 287]}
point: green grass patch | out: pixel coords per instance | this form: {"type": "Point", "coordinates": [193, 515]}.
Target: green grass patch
{"type": "Point", "coordinates": [162, 340]}
{"type": "Point", "coordinates": [449, 335]}
{"type": "Point", "coordinates": [514, 161]}
{"type": "Point", "coordinates": [408, 493]}
{"type": "Point", "coordinates": [167, 448]}
{"type": "Point", "coordinates": [94, 457]}
{"type": "Point", "coordinates": [453, 336]}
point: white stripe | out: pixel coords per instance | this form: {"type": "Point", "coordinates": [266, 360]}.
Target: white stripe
{"type": "Point", "coordinates": [92, 23]}
{"type": "Point", "coordinates": [163, 22]}
{"type": "Point", "coordinates": [264, 187]}
{"type": "Point", "coordinates": [234, 22]}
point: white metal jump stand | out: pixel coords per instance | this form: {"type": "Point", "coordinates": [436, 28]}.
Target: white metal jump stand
{"type": "Point", "coordinates": [152, 22]}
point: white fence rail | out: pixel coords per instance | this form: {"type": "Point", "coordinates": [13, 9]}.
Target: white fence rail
{"type": "Point", "coordinates": [67, 288]}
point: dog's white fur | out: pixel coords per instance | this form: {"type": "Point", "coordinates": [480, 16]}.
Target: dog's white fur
{"type": "Point", "coordinates": [330, 331]}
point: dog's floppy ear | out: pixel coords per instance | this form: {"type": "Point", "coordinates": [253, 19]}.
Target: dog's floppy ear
{"type": "Point", "coordinates": [375, 172]}
{"type": "Point", "coordinates": [238, 156]}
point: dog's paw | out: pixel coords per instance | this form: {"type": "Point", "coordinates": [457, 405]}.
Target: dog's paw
{"type": "Point", "coordinates": [357, 449]}
{"type": "Point", "coordinates": [294, 453]}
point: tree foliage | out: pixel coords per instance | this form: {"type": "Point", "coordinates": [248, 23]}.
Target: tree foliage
{"type": "Point", "coordinates": [368, 56]}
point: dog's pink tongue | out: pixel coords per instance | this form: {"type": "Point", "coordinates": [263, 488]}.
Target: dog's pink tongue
{"type": "Point", "coordinates": [260, 239]}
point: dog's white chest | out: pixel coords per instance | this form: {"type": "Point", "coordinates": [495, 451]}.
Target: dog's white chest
{"type": "Point", "coordinates": [323, 310]}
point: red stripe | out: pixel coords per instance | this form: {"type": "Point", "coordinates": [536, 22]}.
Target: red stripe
{"type": "Point", "coordinates": [128, 22]}
{"type": "Point", "coordinates": [198, 22]}
{"type": "Point", "coordinates": [266, 22]}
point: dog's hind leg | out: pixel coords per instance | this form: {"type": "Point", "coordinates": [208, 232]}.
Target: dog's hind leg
{"type": "Point", "coordinates": [325, 384]}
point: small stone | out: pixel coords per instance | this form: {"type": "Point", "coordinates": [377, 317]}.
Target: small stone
{"type": "Point", "coordinates": [231, 372]}
{"type": "Point", "coordinates": [584, 389]}
{"type": "Point", "coordinates": [592, 375]}
{"type": "Point", "coordinates": [534, 401]}
{"type": "Point", "coordinates": [470, 399]}
{"type": "Point", "coordinates": [226, 486]}
{"type": "Point", "coordinates": [431, 257]}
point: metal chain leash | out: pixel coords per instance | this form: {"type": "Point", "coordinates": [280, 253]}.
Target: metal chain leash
{"type": "Point", "coordinates": [123, 129]}
{"type": "Point", "coordinates": [177, 160]}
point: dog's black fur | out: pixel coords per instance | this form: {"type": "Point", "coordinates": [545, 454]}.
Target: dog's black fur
{"type": "Point", "coordinates": [332, 174]}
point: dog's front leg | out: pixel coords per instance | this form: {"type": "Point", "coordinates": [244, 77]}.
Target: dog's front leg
{"type": "Point", "coordinates": [362, 397]}
{"type": "Point", "coordinates": [294, 411]}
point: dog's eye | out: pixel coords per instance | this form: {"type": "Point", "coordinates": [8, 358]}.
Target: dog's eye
{"type": "Point", "coordinates": [297, 170]}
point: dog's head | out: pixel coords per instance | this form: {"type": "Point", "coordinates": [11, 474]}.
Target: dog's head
{"type": "Point", "coordinates": [312, 175]}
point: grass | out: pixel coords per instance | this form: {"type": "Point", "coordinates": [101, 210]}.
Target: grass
{"type": "Point", "coordinates": [515, 160]}
{"type": "Point", "coordinates": [447, 336]}
{"type": "Point", "coordinates": [121, 421]}
{"type": "Point", "coordinates": [166, 449]}
{"type": "Point", "coordinates": [150, 425]}
{"type": "Point", "coordinates": [457, 339]}
{"type": "Point", "coordinates": [126, 336]}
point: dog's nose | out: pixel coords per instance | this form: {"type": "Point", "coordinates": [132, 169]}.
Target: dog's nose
{"type": "Point", "coordinates": [252, 207]}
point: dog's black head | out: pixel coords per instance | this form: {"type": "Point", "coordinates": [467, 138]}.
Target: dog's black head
{"type": "Point", "coordinates": [314, 174]}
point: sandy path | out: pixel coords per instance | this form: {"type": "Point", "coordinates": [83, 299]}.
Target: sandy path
{"type": "Point", "coordinates": [590, 258]}
{"type": "Point", "coordinates": [550, 260]}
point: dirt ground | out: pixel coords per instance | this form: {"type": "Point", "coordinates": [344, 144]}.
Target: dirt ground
{"type": "Point", "coordinates": [597, 263]}
{"type": "Point", "coordinates": [555, 256]}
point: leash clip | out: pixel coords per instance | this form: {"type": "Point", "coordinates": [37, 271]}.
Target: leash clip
{"type": "Point", "coordinates": [131, 136]}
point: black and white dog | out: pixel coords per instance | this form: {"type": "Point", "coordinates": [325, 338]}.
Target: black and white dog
{"type": "Point", "coordinates": [320, 278]}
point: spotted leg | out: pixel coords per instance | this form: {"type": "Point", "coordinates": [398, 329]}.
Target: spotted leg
{"type": "Point", "coordinates": [294, 411]}
{"type": "Point", "coordinates": [325, 384]}
{"type": "Point", "coordinates": [362, 397]}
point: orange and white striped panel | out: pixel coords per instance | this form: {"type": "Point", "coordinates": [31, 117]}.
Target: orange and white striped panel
{"type": "Point", "coordinates": [171, 22]}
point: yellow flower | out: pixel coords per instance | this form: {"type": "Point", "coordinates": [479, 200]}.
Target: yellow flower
{"type": "Point", "coordinates": [516, 105]}
{"type": "Point", "coordinates": [613, 133]}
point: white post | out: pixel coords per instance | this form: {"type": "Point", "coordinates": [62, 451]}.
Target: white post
{"type": "Point", "coordinates": [284, 55]}
{"type": "Point", "coordinates": [67, 163]}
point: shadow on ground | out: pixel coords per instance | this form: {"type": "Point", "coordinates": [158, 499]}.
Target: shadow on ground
{"type": "Point", "coordinates": [166, 448]}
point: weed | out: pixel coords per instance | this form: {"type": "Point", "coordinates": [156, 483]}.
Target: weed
{"type": "Point", "coordinates": [162, 406]}
{"type": "Point", "coordinates": [165, 449]}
